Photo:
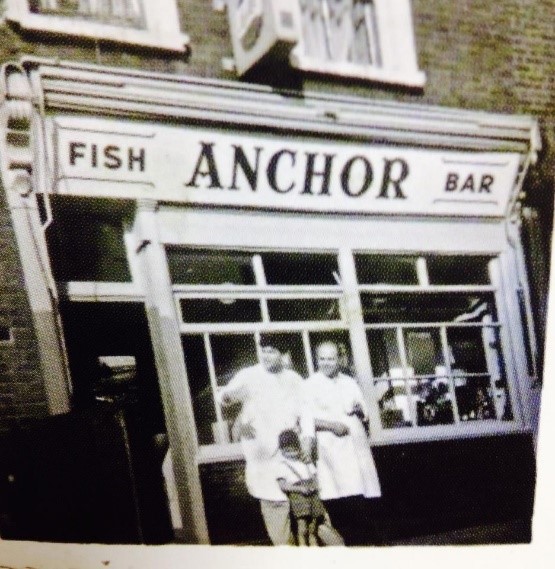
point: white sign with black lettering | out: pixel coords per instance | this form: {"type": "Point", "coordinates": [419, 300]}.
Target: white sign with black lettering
{"type": "Point", "coordinates": [186, 164]}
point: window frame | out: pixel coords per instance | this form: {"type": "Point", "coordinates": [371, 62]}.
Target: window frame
{"type": "Point", "coordinates": [397, 49]}
{"type": "Point", "coordinates": [353, 323]}
{"type": "Point", "coordinates": [161, 32]}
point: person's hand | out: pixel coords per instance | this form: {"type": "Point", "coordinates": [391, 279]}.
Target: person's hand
{"type": "Point", "coordinates": [339, 429]}
{"type": "Point", "coordinates": [247, 431]}
{"type": "Point", "coordinates": [358, 411]}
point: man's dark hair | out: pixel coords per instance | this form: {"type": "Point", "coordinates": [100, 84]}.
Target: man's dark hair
{"type": "Point", "coordinates": [289, 439]}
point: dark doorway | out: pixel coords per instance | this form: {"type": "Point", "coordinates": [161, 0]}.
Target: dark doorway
{"type": "Point", "coordinates": [96, 329]}
{"type": "Point", "coordinates": [96, 332]}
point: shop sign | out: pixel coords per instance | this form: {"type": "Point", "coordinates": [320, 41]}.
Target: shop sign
{"type": "Point", "coordinates": [222, 168]}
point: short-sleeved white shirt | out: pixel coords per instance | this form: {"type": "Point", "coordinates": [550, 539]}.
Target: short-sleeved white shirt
{"type": "Point", "coordinates": [270, 404]}
{"type": "Point", "coordinates": [345, 464]}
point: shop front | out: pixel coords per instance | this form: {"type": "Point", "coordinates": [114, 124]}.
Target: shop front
{"type": "Point", "coordinates": [227, 211]}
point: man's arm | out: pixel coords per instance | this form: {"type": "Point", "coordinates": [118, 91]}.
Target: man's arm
{"type": "Point", "coordinates": [338, 428]}
{"type": "Point", "coordinates": [233, 392]}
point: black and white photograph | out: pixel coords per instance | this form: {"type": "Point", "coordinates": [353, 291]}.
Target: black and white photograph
{"type": "Point", "coordinates": [274, 272]}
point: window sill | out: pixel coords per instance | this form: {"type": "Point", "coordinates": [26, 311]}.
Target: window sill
{"type": "Point", "coordinates": [232, 452]}
{"type": "Point", "coordinates": [176, 42]}
{"type": "Point", "coordinates": [415, 79]}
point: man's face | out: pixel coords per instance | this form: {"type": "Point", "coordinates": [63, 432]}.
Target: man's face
{"type": "Point", "coordinates": [328, 360]}
{"type": "Point", "coordinates": [271, 359]}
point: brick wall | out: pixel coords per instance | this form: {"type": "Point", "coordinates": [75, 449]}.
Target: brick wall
{"type": "Point", "coordinates": [21, 387]}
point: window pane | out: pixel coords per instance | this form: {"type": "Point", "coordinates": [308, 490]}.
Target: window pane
{"type": "Point", "coordinates": [200, 266]}
{"type": "Point", "coordinates": [300, 269]}
{"type": "Point", "coordinates": [429, 307]}
{"type": "Point", "coordinates": [196, 310]}
{"type": "Point", "coordinates": [467, 350]}
{"type": "Point", "coordinates": [231, 353]}
{"type": "Point", "coordinates": [304, 310]}
{"type": "Point", "coordinates": [386, 269]}
{"type": "Point", "coordinates": [434, 404]}
{"type": "Point", "coordinates": [394, 404]}
{"type": "Point", "coordinates": [199, 384]}
{"type": "Point", "coordinates": [424, 352]}
{"type": "Point", "coordinates": [474, 398]}
{"type": "Point", "coordinates": [384, 353]}
{"type": "Point", "coordinates": [452, 270]}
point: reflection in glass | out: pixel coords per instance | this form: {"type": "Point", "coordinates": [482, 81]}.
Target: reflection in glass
{"type": "Point", "coordinates": [308, 309]}
{"type": "Point", "coordinates": [205, 266]}
{"type": "Point", "coordinates": [195, 310]}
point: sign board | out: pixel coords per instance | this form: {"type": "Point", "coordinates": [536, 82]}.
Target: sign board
{"type": "Point", "coordinates": [191, 165]}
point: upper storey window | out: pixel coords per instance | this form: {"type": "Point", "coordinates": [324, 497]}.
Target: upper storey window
{"type": "Point", "coordinates": [366, 39]}
{"type": "Point", "coordinates": [117, 12]}
{"type": "Point", "coordinates": [133, 22]}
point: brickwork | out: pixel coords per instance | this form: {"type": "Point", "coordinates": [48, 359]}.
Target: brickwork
{"type": "Point", "coordinates": [21, 386]}
{"type": "Point", "coordinates": [492, 56]}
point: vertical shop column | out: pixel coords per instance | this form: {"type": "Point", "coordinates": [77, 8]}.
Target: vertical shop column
{"type": "Point", "coordinates": [161, 314]}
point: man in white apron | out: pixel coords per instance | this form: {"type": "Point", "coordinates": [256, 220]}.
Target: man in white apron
{"type": "Point", "coordinates": [346, 471]}
{"type": "Point", "coordinates": [271, 402]}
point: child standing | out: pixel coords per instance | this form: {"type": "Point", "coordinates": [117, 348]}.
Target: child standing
{"type": "Point", "coordinates": [297, 479]}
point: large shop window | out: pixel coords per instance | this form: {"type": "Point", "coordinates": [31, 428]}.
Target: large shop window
{"type": "Point", "coordinates": [137, 22]}
{"type": "Point", "coordinates": [430, 323]}
{"type": "Point", "coordinates": [366, 39]}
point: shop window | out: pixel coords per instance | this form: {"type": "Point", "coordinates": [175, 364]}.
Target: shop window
{"type": "Point", "coordinates": [432, 330]}
{"type": "Point", "coordinates": [366, 39]}
{"type": "Point", "coordinates": [436, 356]}
{"type": "Point", "coordinates": [136, 22]}
{"type": "Point", "coordinates": [226, 299]}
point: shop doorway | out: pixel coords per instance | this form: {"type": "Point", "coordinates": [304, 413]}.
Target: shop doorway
{"type": "Point", "coordinates": [113, 373]}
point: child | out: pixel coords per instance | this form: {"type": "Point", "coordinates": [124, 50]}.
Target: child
{"type": "Point", "coordinates": [297, 479]}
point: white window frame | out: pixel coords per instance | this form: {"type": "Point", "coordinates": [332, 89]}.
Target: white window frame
{"type": "Point", "coordinates": [318, 234]}
{"type": "Point", "coordinates": [396, 45]}
{"type": "Point", "coordinates": [161, 19]}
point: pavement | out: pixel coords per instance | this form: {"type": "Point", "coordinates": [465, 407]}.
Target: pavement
{"type": "Point", "coordinates": [515, 531]}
